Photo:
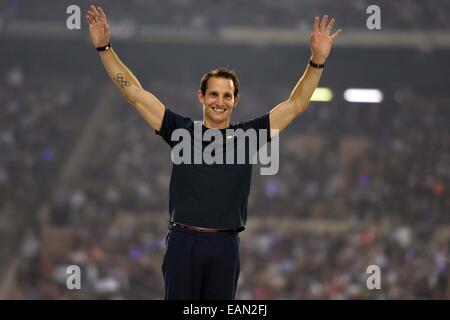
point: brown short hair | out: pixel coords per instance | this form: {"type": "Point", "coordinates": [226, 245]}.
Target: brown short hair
{"type": "Point", "coordinates": [220, 73]}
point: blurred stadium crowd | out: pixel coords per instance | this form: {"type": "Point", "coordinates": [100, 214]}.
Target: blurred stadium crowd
{"type": "Point", "coordinates": [400, 14]}
{"type": "Point", "coordinates": [359, 184]}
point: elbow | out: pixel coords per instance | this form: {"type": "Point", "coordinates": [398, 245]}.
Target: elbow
{"type": "Point", "coordinates": [302, 109]}
{"type": "Point", "coordinates": [298, 107]}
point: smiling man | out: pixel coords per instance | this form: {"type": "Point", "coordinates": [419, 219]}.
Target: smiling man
{"type": "Point", "coordinates": [219, 94]}
{"type": "Point", "coordinates": [208, 202]}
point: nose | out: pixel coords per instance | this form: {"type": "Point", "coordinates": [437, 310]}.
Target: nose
{"type": "Point", "coordinates": [221, 101]}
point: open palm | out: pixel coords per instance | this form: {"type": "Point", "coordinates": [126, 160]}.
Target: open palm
{"type": "Point", "coordinates": [321, 40]}
{"type": "Point", "coordinates": [98, 27]}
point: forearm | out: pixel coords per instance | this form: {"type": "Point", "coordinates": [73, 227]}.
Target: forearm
{"type": "Point", "coordinates": [304, 89]}
{"type": "Point", "coordinates": [119, 73]}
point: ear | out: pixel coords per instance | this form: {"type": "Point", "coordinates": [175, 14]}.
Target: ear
{"type": "Point", "coordinates": [236, 100]}
{"type": "Point", "coordinates": [201, 97]}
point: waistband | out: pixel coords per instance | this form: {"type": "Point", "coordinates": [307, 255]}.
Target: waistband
{"type": "Point", "coordinates": [203, 230]}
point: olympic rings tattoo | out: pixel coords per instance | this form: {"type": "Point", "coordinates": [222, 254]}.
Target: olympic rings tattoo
{"type": "Point", "coordinates": [122, 81]}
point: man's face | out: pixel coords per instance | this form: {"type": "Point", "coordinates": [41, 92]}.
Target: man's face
{"type": "Point", "coordinates": [218, 102]}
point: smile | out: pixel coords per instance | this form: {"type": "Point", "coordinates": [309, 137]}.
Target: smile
{"type": "Point", "coordinates": [219, 110]}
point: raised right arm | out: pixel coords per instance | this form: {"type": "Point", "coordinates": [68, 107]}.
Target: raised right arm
{"type": "Point", "coordinates": [150, 108]}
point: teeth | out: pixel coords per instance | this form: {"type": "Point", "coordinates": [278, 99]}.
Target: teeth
{"type": "Point", "coordinates": [218, 109]}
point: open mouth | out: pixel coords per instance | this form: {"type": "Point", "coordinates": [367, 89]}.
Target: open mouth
{"type": "Point", "coordinates": [219, 110]}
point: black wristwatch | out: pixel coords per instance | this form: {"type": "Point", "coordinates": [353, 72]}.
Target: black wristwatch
{"type": "Point", "coordinates": [316, 65]}
{"type": "Point", "coordinates": [107, 47]}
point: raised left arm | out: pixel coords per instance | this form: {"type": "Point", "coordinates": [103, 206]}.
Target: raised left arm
{"type": "Point", "coordinates": [321, 42]}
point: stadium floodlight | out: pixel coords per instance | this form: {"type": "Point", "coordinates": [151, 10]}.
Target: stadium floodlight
{"type": "Point", "coordinates": [322, 94]}
{"type": "Point", "coordinates": [363, 95]}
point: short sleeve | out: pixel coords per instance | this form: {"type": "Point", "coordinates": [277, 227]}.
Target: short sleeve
{"type": "Point", "coordinates": [171, 122]}
{"type": "Point", "coordinates": [260, 123]}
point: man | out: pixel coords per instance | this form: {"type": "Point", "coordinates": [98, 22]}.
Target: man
{"type": "Point", "coordinates": [208, 202]}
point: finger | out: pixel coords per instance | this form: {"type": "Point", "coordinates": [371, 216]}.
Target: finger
{"type": "Point", "coordinates": [96, 15]}
{"type": "Point", "coordinates": [89, 19]}
{"type": "Point", "coordinates": [94, 10]}
{"type": "Point", "coordinates": [336, 34]}
{"type": "Point", "coordinates": [91, 15]}
{"type": "Point", "coordinates": [101, 13]}
{"type": "Point", "coordinates": [323, 24]}
{"type": "Point", "coordinates": [330, 26]}
{"type": "Point", "coordinates": [316, 24]}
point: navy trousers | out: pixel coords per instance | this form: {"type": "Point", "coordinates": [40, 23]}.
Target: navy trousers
{"type": "Point", "coordinates": [200, 265]}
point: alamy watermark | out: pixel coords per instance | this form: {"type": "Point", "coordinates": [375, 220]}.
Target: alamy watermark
{"type": "Point", "coordinates": [73, 22]}
{"type": "Point", "coordinates": [74, 279]}
{"type": "Point", "coordinates": [374, 20]}
{"type": "Point", "coordinates": [374, 280]}
{"type": "Point", "coordinates": [235, 147]}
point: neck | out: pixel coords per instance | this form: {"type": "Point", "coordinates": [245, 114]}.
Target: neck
{"type": "Point", "coordinates": [213, 125]}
